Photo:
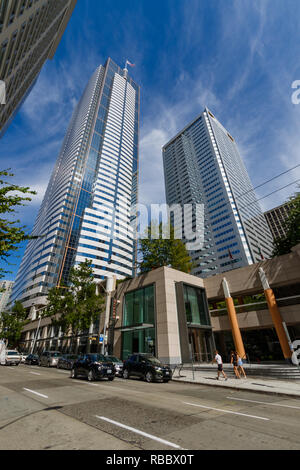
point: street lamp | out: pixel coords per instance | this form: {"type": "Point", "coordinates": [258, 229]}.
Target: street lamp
{"type": "Point", "coordinates": [110, 287]}
{"type": "Point", "coordinates": [37, 331]}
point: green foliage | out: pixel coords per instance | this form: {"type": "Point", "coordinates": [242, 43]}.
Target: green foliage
{"type": "Point", "coordinates": [75, 307]}
{"type": "Point", "coordinates": [12, 324]}
{"type": "Point", "coordinates": [163, 250]}
{"type": "Point", "coordinates": [284, 245]}
{"type": "Point", "coordinates": [11, 234]}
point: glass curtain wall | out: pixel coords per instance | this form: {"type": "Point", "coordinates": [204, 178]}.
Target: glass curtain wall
{"type": "Point", "coordinates": [138, 322]}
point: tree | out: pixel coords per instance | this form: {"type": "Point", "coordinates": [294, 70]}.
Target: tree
{"type": "Point", "coordinates": [160, 251]}
{"type": "Point", "coordinates": [12, 324]}
{"type": "Point", "coordinates": [74, 307]}
{"type": "Point", "coordinates": [284, 245]}
{"type": "Point", "coordinates": [11, 234]}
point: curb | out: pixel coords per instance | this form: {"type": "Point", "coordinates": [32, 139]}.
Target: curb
{"type": "Point", "coordinates": [268, 392]}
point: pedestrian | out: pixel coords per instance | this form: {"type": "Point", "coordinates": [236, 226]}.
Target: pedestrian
{"type": "Point", "coordinates": [218, 360]}
{"type": "Point", "coordinates": [240, 366]}
{"type": "Point", "coordinates": [234, 362]}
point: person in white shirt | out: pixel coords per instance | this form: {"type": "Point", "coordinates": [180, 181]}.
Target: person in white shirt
{"type": "Point", "coordinates": [218, 360]}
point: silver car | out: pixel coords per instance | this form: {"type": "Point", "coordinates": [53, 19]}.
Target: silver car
{"type": "Point", "coordinates": [49, 358]}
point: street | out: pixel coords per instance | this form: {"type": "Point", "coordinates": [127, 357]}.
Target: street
{"type": "Point", "coordinates": [43, 408]}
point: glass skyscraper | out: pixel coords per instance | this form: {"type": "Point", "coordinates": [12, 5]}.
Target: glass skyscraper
{"type": "Point", "coordinates": [86, 211]}
{"type": "Point", "coordinates": [202, 165]}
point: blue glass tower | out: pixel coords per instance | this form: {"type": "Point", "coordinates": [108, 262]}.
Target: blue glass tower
{"type": "Point", "coordinates": [86, 210]}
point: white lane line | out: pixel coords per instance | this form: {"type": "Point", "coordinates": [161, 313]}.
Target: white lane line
{"type": "Point", "coordinates": [36, 393]}
{"type": "Point", "coordinates": [137, 431]}
{"type": "Point", "coordinates": [35, 373]}
{"type": "Point", "coordinates": [264, 403]}
{"type": "Point", "coordinates": [227, 411]}
{"type": "Point", "coordinates": [63, 372]}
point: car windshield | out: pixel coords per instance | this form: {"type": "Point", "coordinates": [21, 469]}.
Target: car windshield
{"type": "Point", "coordinates": [97, 357]}
{"type": "Point", "coordinates": [55, 354]}
{"type": "Point", "coordinates": [12, 353]}
{"type": "Point", "coordinates": [71, 356]}
{"type": "Point", "coordinates": [152, 359]}
{"type": "Point", "coordinates": [113, 359]}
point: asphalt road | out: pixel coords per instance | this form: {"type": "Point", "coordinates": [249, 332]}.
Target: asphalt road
{"type": "Point", "coordinates": [43, 408]}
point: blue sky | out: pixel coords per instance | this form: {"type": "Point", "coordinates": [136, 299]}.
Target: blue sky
{"type": "Point", "coordinates": [239, 58]}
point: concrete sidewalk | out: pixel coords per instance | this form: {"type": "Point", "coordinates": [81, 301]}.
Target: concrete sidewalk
{"type": "Point", "coordinates": [252, 384]}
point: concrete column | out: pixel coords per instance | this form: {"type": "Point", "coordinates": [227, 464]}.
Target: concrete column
{"type": "Point", "coordinates": [275, 314]}
{"type": "Point", "coordinates": [236, 333]}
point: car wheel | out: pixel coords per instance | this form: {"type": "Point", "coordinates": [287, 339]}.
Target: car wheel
{"type": "Point", "coordinates": [110, 379]}
{"type": "Point", "coordinates": [149, 377]}
{"type": "Point", "coordinates": [166, 381]}
{"type": "Point", "coordinates": [125, 374]}
{"type": "Point", "coordinates": [73, 374]}
{"type": "Point", "coordinates": [91, 376]}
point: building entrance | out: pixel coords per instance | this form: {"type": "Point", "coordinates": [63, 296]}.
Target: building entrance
{"type": "Point", "coordinates": [201, 344]}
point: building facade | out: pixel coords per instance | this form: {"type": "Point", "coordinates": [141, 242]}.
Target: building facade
{"type": "Point", "coordinates": [5, 292]}
{"type": "Point", "coordinates": [86, 211]}
{"type": "Point", "coordinates": [277, 218]}
{"type": "Point", "coordinates": [180, 317]}
{"type": "Point", "coordinates": [202, 165]}
{"type": "Point", "coordinates": [30, 31]}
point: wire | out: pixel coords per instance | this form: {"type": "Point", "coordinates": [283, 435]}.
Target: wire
{"type": "Point", "coordinates": [267, 195]}
{"type": "Point", "coordinates": [268, 181]}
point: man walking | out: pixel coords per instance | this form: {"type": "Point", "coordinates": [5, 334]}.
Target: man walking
{"type": "Point", "coordinates": [218, 360]}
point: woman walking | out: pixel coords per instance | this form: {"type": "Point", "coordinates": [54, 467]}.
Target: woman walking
{"type": "Point", "coordinates": [234, 361]}
{"type": "Point", "coordinates": [240, 366]}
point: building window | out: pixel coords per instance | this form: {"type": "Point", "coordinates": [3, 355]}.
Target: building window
{"type": "Point", "coordinates": [195, 305]}
{"type": "Point", "coordinates": [139, 307]}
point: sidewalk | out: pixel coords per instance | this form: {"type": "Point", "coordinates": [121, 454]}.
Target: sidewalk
{"type": "Point", "coordinates": [260, 384]}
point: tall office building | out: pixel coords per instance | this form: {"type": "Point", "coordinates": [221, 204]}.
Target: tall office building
{"type": "Point", "coordinates": [86, 211]}
{"type": "Point", "coordinates": [277, 218]}
{"type": "Point", "coordinates": [202, 165]}
{"type": "Point", "coordinates": [30, 31]}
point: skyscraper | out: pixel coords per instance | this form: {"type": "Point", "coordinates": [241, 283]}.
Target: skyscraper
{"type": "Point", "coordinates": [30, 31]}
{"type": "Point", "coordinates": [202, 165]}
{"type": "Point", "coordinates": [86, 210]}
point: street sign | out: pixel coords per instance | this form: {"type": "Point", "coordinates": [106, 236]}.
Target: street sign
{"type": "Point", "coordinates": [101, 339]}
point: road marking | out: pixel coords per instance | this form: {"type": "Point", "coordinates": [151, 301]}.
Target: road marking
{"type": "Point", "coordinates": [227, 411]}
{"type": "Point", "coordinates": [137, 431]}
{"type": "Point", "coordinates": [63, 372]}
{"type": "Point", "coordinates": [35, 373]}
{"type": "Point", "coordinates": [265, 403]}
{"type": "Point", "coordinates": [36, 393]}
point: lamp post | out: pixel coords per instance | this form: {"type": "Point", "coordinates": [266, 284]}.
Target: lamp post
{"type": "Point", "coordinates": [37, 331]}
{"type": "Point", "coordinates": [110, 287]}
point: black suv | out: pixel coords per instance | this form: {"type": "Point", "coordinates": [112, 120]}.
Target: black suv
{"type": "Point", "coordinates": [147, 367]}
{"type": "Point", "coordinates": [93, 366]}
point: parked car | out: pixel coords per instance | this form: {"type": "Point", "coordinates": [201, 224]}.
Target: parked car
{"type": "Point", "coordinates": [12, 357]}
{"type": "Point", "coordinates": [32, 359]}
{"type": "Point", "coordinates": [66, 361]}
{"type": "Point", "coordinates": [146, 366]}
{"type": "Point", "coordinates": [93, 366]}
{"type": "Point", "coordinates": [118, 365]}
{"type": "Point", "coordinates": [49, 358]}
